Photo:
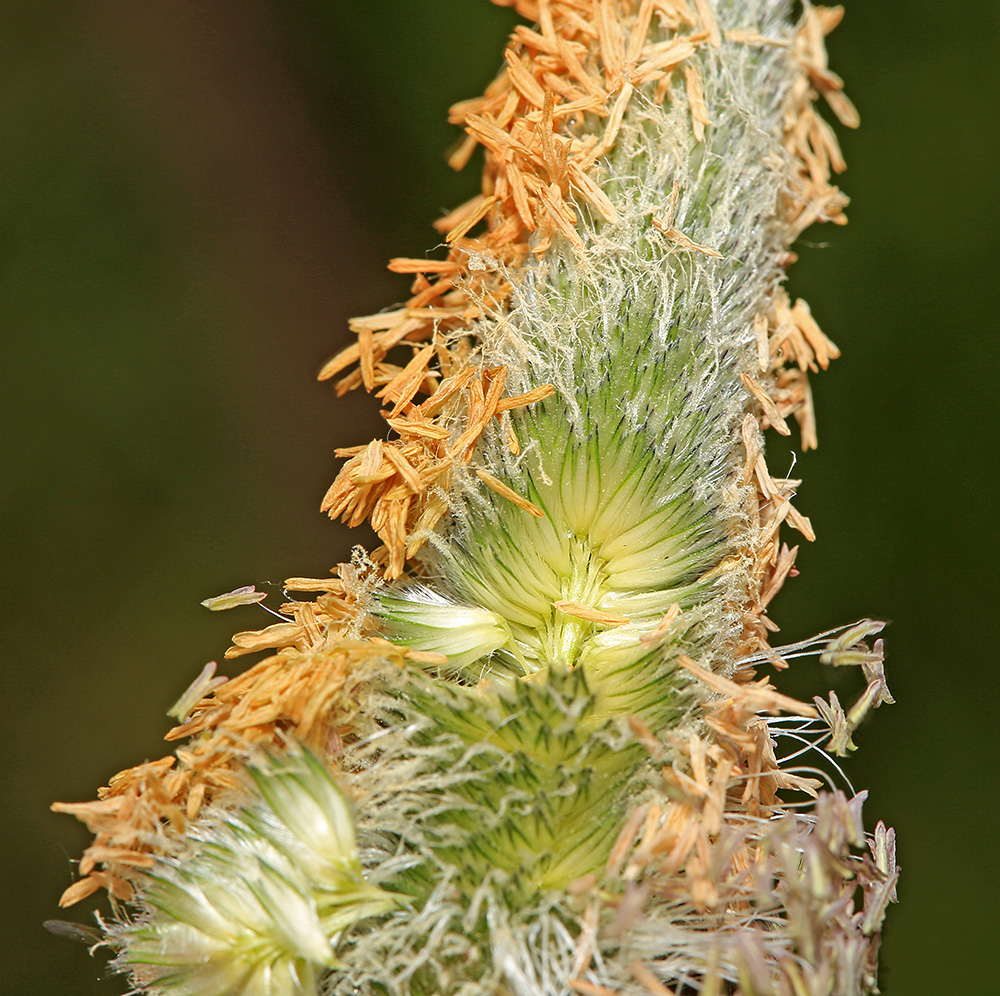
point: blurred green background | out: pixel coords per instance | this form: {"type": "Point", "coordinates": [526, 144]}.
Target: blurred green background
{"type": "Point", "coordinates": [195, 196]}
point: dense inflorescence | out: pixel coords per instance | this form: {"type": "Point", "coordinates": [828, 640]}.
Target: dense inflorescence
{"type": "Point", "coordinates": [538, 693]}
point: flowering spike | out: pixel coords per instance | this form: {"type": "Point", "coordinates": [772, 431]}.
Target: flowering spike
{"type": "Point", "coordinates": [540, 687]}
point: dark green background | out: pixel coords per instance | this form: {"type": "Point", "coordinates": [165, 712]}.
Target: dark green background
{"type": "Point", "coordinates": [195, 196]}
